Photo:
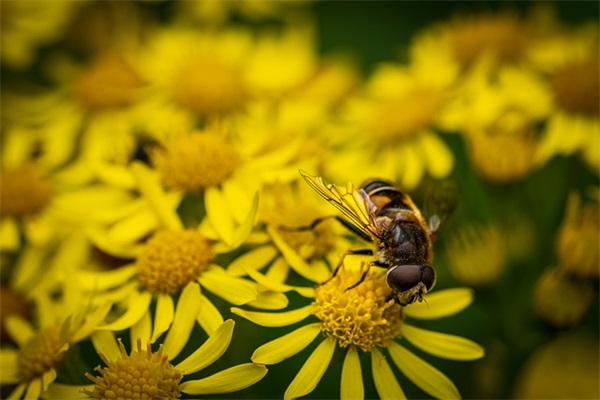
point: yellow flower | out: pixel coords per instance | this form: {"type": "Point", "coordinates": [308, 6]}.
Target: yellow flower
{"type": "Point", "coordinates": [144, 372]}
{"type": "Point", "coordinates": [389, 128]}
{"type": "Point", "coordinates": [566, 367]}
{"type": "Point", "coordinates": [61, 324]}
{"type": "Point", "coordinates": [574, 126]}
{"type": "Point", "coordinates": [364, 320]}
{"type": "Point", "coordinates": [476, 254]}
{"type": "Point", "coordinates": [215, 73]}
{"type": "Point", "coordinates": [27, 26]}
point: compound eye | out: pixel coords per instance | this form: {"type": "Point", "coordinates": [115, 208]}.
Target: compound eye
{"type": "Point", "coordinates": [405, 277]}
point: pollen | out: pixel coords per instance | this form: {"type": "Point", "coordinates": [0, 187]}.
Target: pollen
{"type": "Point", "coordinates": [196, 161]}
{"type": "Point", "coordinates": [172, 259]}
{"type": "Point", "coordinates": [108, 83]}
{"type": "Point", "coordinates": [208, 87]}
{"type": "Point", "coordinates": [577, 87]}
{"type": "Point", "coordinates": [362, 316]}
{"type": "Point", "coordinates": [24, 191]}
{"type": "Point", "coordinates": [418, 110]}
{"type": "Point", "coordinates": [42, 352]}
{"type": "Point", "coordinates": [140, 375]}
{"type": "Point", "coordinates": [502, 34]}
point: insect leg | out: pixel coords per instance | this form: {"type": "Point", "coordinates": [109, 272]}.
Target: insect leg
{"type": "Point", "coordinates": [365, 272]}
{"type": "Point", "coordinates": [309, 227]}
{"type": "Point", "coordinates": [360, 252]}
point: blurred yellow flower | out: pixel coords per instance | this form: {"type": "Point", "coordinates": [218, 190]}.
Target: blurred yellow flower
{"type": "Point", "coordinates": [363, 320]}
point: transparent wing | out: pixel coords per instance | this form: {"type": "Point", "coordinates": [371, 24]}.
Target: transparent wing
{"type": "Point", "coordinates": [354, 204]}
{"type": "Point", "coordinates": [441, 199]}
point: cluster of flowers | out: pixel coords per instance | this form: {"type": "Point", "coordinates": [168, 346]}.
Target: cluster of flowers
{"type": "Point", "coordinates": [150, 167]}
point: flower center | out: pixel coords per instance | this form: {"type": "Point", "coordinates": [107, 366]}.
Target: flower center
{"type": "Point", "coordinates": [504, 35]}
{"type": "Point", "coordinates": [360, 316]}
{"type": "Point", "coordinates": [41, 353]}
{"type": "Point", "coordinates": [197, 161]}
{"type": "Point", "coordinates": [140, 375]}
{"type": "Point", "coordinates": [172, 259]}
{"type": "Point", "coordinates": [405, 116]}
{"type": "Point", "coordinates": [576, 87]}
{"type": "Point", "coordinates": [108, 83]}
{"type": "Point", "coordinates": [208, 87]}
{"type": "Point", "coordinates": [23, 191]}
{"type": "Point", "coordinates": [11, 303]}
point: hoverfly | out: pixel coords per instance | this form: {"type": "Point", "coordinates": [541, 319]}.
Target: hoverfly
{"type": "Point", "coordinates": [382, 214]}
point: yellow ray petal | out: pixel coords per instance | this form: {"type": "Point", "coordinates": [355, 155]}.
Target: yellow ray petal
{"type": "Point", "coordinates": [253, 260]}
{"type": "Point", "coordinates": [278, 286]}
{"type": "Point", "coordinates": [243, 230]}
{"type": "Point", "coordinates": [441, 304]}
{"type": "Point", "coordinates": [234, 290]}
{"type": "Point", "coordinates": [138, 305]}
{"type": "Point", "coordinates": [19, 329]}
{"type": "Point", "coordinates": [385, 382]}
{"type": "Point", "coordinates": [275, 319]}
{"type": "Point", "coordinates": [104, 280]}
{"type": "Point", "coordinates": [219, 215]}
{"type": "Point", "coordinates": [165, 310]}
{"type": "Point", "coordinates": [18, 392]}
{"type": "Point", "coordinates": [92, 320]}
{"type": "Point", "coordinates": [105, 342]}
{"type": "Point", "coordinates": [439, 157]}
{"type": "Point", "coordinates": [141, 330]}
{"type": "Point", "coordinates": [208, 316]}
{"type": "Point", "coordinates": [183, 320]}
{"type": "Point", "coordinates": [286, 346]}
{"type": "Point", "coordinates": [351, 386]}
{"type": "Point", "coordinates": [71, 392]}
{"type": "Point", "coordinates": [312, 371]}
{"type": "Point", "coordinates": [316, 273]}
{"type": "Point", "coordinates": [105, 243]}
{"type": "Point", "coordinates": [411, 167]}
{"type": "Point", "coordinates": [269, 300]}
{"type": "Point", "coordinates": [210, 351]}
{"type": "Point", "coordinates": [422, 374]}
{"type": "Point", "coordinates": [227, 381]}
{"type": "Point", "coordinates": [442, 345]}
{"type": "Point", "coordinates": [34, 389]}
{"type": "Point", "coordinates": [9, 370]}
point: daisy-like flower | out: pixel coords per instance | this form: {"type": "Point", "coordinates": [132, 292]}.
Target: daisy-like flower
{"type": "Point", "coordinates": [476, 254]}
{"type": "Point", "coordinates": [215, 73]}
{"type": "Point", "coordinates": [393, 121]}
{"type": "Point", "coordinates": [363, 321]}
{"type": "Point", "coordinates": [32, 367]}
{"type": "Point", "coordinates": [172, 260]}
{"type": "Point", "coordinates": [145, 373]}
{"type": "Point", "coordinates": [574, 126]}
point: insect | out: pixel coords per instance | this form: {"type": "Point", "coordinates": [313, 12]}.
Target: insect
{"type": "Point", "coordinates": [382, 214]}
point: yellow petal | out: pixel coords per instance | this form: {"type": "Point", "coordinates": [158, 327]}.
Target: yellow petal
{"type": "Point", "coordinates": [104, 242]}
{"type": "Point", "coordinates": [253, 259]}
{"type": "Point", "coordinates": [141, 330]}
{"type": "Point", "coordinates": [210, 351]}
{"type": "Point", "coordinates": [104, 280]}
{"type": "Point", "coordinates": [104, 342]}
{"type": "Point", "coordinates": [219, 215]}
{"type": "Point", "coordinates": [92, 320]}
{"type": "Point", "coordinates": [208, 316]}
{"type": "Point", "coordinates": [441, 304]}
{"type": "Point", "coordinates": [19, 329]}
{"type": "Point", "coordinates": [442, 345]}
{"type": "Point", "coordinates": [286, 346]}
{"type": "Point", "coordinates": [183, 320]}
{"type": "Point", "coordinates": [278, 286]}
{"type": "Point", "coordinates": [241, 232]}
{"type": "Point", "coordinates": [135, 227]}
{"type": "Point", "coordinates": [385, 382]}
{"type": "Point", "coordinates": [149, 185]}
{"type": "Point", "coordinates": [9, 234]}
{"type": "Point", "coordinates": [138, 305]}
{"type": "Point", "coordinates": [316, 272]}
{"type": "Point", "coordinates": [63, 391]}
{"type": "Point", "coordinates": [227, 381]}
{"type": "Point", "coordinates": [269, 300]}
{"type": "Point", "coordinates": [165, 310]}
{"type": "Point", "coordinates": [352, 383]}
{"type": "Point", "coordinates": [47, 378]}
{"type": "Point", "coordinates": [422, 374]}
{"type": "Point", "coordinates": [312, 371]}
{"type": "Point", "coordinates": [9, 370]}
{"type": "Point", "coordinates": [440, 160]}
{"type": "Point", "coordinates": [234, 290]}
{"type": "Point", "coordinates": [275, 319]}
{"type": "Point", "coordinates": [410, 169]}
{"type": "Point", "coordinates": [18, 392]}
{"type": "Point", "coordinates": [34, 389]}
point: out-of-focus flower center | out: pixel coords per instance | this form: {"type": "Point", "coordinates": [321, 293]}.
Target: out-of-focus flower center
{"type": "Point", "coordinates": [577, 87]}
{"type": "Point", "coordinates": [41, 353]}
{"type": "Point", "coordinates": [405, 116]}
{"type": "Point", "coordinates": [504, 35]}
{"type": "Point", "coordinates": [11, 303]}
{"type": "Point", "coordinates": [108, 83]}
{"type": "Point", "coordinates": [140, 375]}
{"type": "Point", "coordinates": [172, 259]}
{"type": "Point", "coordinates": [196, 161]}
{"type": "Point", "coordinates": [361, 316]}
{"type": "Point", "coordinates": [208, 87]}
{"type": "Point", "coordinates": [476, 254]}
{"type": "Point", "coordinates": [23, 191]}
